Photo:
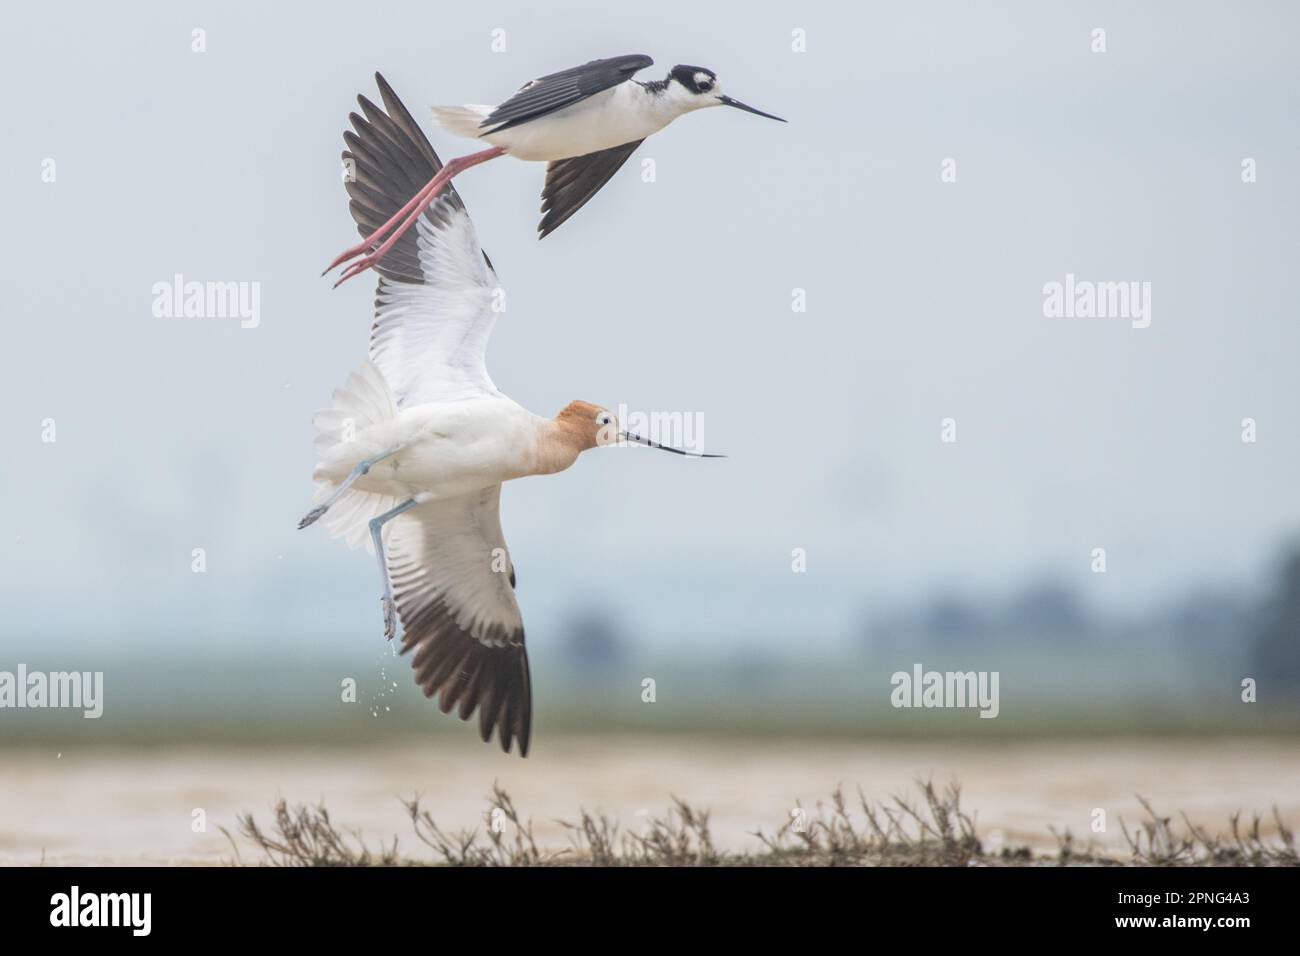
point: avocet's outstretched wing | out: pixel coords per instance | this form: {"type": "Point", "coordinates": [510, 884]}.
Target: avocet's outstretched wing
{"type": "Point", "coordinates": [453, 583]}
{"type": "Point", "coordinates": [555, 91]}
{"type": "Point", "coordinates": [434, 306]}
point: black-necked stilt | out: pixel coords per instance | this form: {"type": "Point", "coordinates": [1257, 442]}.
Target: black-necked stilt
{"type": "Point", "coordinates": [583, 122]}
{"type": "Point", "coordinates": [413, 452]}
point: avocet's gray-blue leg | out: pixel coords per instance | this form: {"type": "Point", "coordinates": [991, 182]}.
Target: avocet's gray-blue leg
{"type": "Point", "coordinates": [357, 472]}
{"type": "Point", "coordinates": [377, 536]}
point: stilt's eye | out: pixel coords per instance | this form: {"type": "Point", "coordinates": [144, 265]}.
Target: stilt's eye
{"type": "Point", "coordinates": [703, 82]}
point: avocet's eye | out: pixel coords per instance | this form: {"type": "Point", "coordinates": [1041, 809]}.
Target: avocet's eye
{"type": "Point", "coordinates": [603, 418]}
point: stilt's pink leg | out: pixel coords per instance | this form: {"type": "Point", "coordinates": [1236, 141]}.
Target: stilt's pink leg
{"type": "Point", "coordinates": [408, 214]}
{"type": "Point", "coordinates": [375, 236]}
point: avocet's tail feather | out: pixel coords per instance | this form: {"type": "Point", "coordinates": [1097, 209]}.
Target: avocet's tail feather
{"type": "Point", "coordinates": [365, 399]}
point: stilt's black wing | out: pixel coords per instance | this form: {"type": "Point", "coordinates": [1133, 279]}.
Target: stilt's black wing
{"type": "Point", "coordinates": [571, 182]}
{"type": "Point", "coordinates": [558, 90]}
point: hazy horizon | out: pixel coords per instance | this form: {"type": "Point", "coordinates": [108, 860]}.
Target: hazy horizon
{"type": "Point", "coordinates": [924, 302]}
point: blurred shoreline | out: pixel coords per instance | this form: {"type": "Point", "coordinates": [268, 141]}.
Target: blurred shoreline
{"type": "Point", "coordinates": [138, 805]}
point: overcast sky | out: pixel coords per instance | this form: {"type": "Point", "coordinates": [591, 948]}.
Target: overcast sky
{"type": "Point", "coordinates": [924, 302]}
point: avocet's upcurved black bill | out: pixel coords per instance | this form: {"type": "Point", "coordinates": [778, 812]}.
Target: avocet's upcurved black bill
{"type": "Point", "coordinates": [637, 439]}
{"type": "Point", "coordinates": [728, 101]}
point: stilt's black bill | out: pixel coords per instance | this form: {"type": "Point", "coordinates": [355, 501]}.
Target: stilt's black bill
{"type": "Point", "coordinates": [637, 439]}
{"type": "Point", "coordinates": [727, 100]}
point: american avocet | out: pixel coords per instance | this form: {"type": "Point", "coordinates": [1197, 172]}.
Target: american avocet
{"type": "Point", "coordinates": [418, 441]}
{"type": "Point", "coordinates": [583, 123]}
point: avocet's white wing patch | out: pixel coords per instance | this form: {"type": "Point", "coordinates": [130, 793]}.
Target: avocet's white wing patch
{"type": "Point", "coordinates": [453, 583]}
{"type": "Point", "coordinates": [433, 307]}
{"type": "Point", "coordinates": [430, 338]}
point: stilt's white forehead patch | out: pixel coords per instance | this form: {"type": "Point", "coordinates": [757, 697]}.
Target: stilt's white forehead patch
{"type": "Point", "coordinates": [703, 79]}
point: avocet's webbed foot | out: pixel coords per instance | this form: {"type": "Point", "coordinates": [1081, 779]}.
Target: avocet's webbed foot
{"type": "Point", "coordinates": [390, 617]}
{"type": "Point", "coordinates": [311, 516]}
{"type": "Point", "coordinates": [363, 468]}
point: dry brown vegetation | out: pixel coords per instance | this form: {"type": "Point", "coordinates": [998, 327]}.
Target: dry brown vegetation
{"type": "Point", "coordinates": [1157, 842]}
{"type": "Point", "coordinates": [933, 831]}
